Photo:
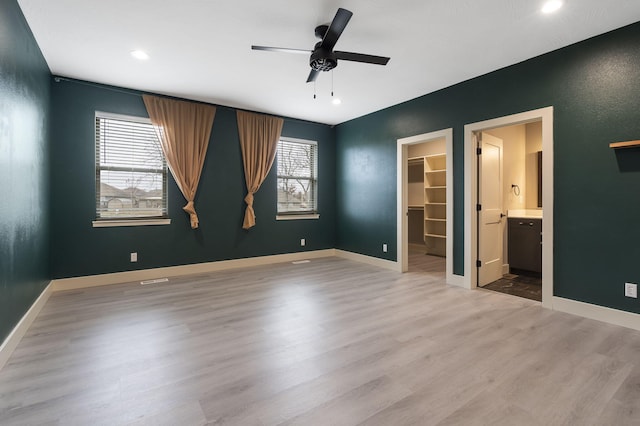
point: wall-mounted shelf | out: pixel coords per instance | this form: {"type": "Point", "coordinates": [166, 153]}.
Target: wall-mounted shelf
{"type": "Point", "coordinates": [628, 144]}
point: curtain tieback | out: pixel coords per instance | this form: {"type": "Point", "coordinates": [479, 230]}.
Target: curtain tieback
{"type": "Point", "coordinates": [249, 199]}
{"type": "Point", "coordinates": [191, 209]}
{"type": "Point", "coordinates": [249, 214]}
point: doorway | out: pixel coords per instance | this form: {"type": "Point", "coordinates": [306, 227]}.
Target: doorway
{"type": "Point", "coordinates": [480, 221]}
{"type": "Point", "coordinates": [425, 199]}
{"type": "Point", "coordinates": [510, 218]}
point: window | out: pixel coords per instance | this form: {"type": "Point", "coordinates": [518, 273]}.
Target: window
{"type": "Point", "coordinates": [131, 172]}
{"type": "Point", "coordinates": [297, 177]}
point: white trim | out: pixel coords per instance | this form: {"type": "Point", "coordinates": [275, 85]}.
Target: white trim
{"type": "Point", "coordinates": [370, 260]}
{"type": "Point", "coordinates": [456, 280]}
{"type": "Point", "coordinates": [173, 271]}
{"type": "Point", "coordinates": [18, 332]}
{"type": "Point", "coordinates": [596, 312]}
{"type": "Point", "coordinates": [129, 222]}
{"type": "Point", "coordinates": [402, 245]}
{"type": "Point", "coordinates": [199, 268]}
{"type": "Point", "coordinates": [297, 216]}
{"type": "Point", "coordinates": [470, 195]}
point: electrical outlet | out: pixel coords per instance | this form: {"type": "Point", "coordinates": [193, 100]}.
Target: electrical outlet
{"type": "Point", "coordinates": [631, 290]}
{"type": "Point", "coordinates": [134, 257]}
{"type": "Point", "coordinates": [302, 242]}
{"type": "Point", "coordinates": [384, 248]}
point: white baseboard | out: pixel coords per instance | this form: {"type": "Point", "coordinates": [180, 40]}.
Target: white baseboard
{"type": "Point", "coordinates": [505, 269]}
{"type": "Point", "coordinates": [381, 263]}
{"type": "Point", "coordinates": [456, 280]}
{"type": "Point", "coordinates": [18, 332]}
{"type": "Point", "coordinates": [173, 271]}
{"type": "Point", "coordinates": [599, 313]}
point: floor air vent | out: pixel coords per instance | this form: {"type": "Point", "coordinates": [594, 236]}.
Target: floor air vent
{"type": "Point", "coordinates": [156, 281]}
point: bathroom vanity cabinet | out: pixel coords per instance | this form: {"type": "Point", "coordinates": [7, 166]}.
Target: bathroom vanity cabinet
{"type": "Point", "coordinates": [525, 244]}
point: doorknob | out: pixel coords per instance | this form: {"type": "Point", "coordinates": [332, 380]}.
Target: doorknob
{"type": "Point", "coordinates": [502, 215]}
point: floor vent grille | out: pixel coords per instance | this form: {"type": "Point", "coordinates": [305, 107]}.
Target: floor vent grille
{"type": "Point", "coordinates": [156, 281]}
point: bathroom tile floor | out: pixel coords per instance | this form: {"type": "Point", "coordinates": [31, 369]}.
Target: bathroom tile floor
{"type": "Point", "coordinates": [522, 285]}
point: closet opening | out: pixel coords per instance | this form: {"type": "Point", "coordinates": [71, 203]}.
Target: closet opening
{"type": "Point", "coordinates": [424, 203]}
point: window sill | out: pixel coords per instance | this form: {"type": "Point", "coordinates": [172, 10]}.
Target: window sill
{"type": "Point", "coordinates": [297, 216]}
{"type": "Point", "coordinates": [129, 222]}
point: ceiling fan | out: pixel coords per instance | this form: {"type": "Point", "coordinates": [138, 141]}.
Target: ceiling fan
{"type": "Point", "coordinates": [323, 57]}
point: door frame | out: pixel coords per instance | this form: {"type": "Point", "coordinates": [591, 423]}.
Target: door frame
{"type": "Point", "coordinates": [402, 191]}
{"type": "Point", "coordinates": [470, 194]}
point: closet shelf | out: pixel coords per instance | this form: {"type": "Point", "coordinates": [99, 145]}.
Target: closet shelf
{"type": "Point", "coordinates": [435, 187]}
{"type": "Point", "coordinates": [436, 171]}
{"type": "Point", "coordinates": [435, 236]}
{"type": "Point", "coordinates": [627, 144]}
{"type": "Point", "coordinates": [433, 219]}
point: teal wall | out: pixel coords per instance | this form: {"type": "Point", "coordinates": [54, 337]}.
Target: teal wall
{"type": "Point", "coordinates": [24, 111]}
{"type": "Point", "coordinates": [594, 87]}
{"type": "Point", "coordinates": [79, 249]}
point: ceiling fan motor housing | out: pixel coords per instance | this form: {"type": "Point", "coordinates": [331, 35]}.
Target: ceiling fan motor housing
{"type": "Point", "coordinates": [322, 59]}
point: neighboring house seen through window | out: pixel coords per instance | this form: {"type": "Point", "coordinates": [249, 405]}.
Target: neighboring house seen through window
{"type": "Point", "coordinates": [297, 162]}
{"type": "Point", "coordinates": [131, 172]}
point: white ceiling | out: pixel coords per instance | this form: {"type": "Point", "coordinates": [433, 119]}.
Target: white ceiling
{"type": "Point", "coordinates": [200, 49]}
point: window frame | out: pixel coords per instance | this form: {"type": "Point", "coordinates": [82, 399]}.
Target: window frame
{"type": "Point", "coordinates": [305, 214]}
{"type": "Point", "coordinates": [101, 222]}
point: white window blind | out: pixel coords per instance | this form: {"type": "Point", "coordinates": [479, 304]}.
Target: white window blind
{"type": "Point", "coordinates": [297, 176]}
{"type": "Point", "coordinates": [131, 172]}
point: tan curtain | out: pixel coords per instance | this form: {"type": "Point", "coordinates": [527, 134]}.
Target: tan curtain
{"type": "Point", "coordinates": [184, 129]}
{"type": "Point", "coordinates": [259, 135]}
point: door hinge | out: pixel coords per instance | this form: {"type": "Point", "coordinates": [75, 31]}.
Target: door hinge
{"type": "Point", "coordinates": [478, 207]}
{"type": "Point", "coordinates": [478, 264]}
{"type": "Point", "coordinates": [479, 151]}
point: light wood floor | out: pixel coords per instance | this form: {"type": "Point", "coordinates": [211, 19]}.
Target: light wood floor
{"type": "Point", "coordinates": [330, 342]}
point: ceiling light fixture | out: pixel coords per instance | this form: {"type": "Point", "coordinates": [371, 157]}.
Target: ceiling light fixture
{"type": "Point", "coordinates": [336, 101]}
{"type": "Point", "coordinates": [140, 55]}
{"type": "Point", "coordinates": [551, 6]}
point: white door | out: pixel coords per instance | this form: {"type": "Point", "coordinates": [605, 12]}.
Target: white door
{"type": "Point", "coordinates": [490, 214]}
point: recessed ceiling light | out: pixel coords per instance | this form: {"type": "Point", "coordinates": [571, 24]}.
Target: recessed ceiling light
{"type": "Point", "coordinates": [336, 101]}
{"type": "Point", "coordinates": [140, 54]}
{"type": "Point", "coordinates": [551, 6]}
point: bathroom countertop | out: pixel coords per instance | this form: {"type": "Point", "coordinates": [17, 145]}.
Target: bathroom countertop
{"type": "Point", "coordinates": [525, 213]}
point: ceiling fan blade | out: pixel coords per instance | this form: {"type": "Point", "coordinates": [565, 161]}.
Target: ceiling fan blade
{"type": "Point", "coordinates": [360, 57]}
{"type": "Point", "coordinates": [312, 76]}
{"type": "Point", "coordinates": [336, 28]}
{"type": "Point", "coordinates": [280, 49]}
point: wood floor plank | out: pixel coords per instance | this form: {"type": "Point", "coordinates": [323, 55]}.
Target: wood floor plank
{"type": "Point", "coordinates": [326, 342]}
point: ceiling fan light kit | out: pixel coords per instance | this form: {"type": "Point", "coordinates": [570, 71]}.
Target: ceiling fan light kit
{"type": "Point", "coordinates": [323, 57]}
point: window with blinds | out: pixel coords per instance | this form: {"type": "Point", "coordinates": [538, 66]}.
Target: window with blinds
{"type": "Point", "coordinates": [131, 172]}
{"type": "Point", "coordinates": [297, 162]}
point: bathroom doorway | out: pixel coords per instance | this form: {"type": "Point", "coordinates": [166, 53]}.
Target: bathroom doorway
{"type": "Point", "coordinates": [510, 215]}
{"type": "Point", "coordinates": [501, 190]}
